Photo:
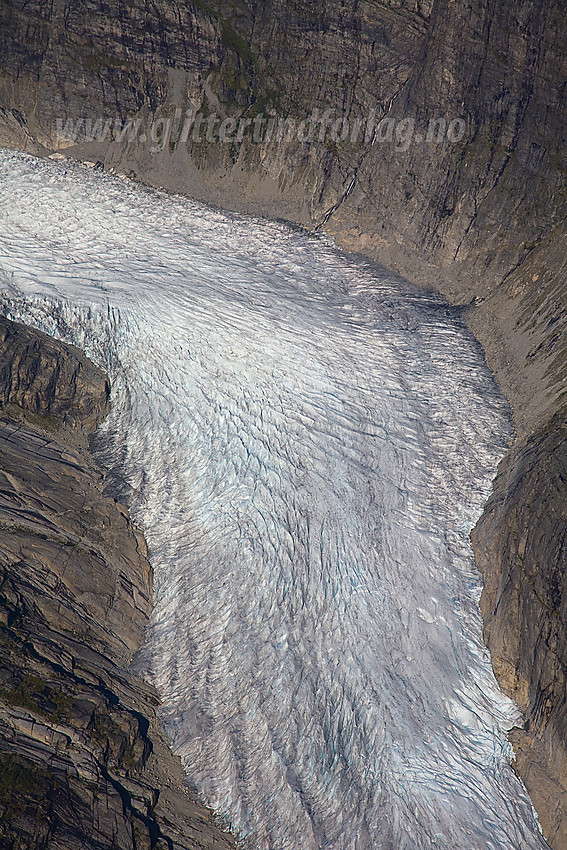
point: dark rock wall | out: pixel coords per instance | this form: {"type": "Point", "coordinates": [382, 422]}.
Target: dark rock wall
{"type": "Point", "coordinates": [520, 542]}
{"type": "Point", "coordinates": [82, 760]}
{"type": "Point", "coordinates": [35, 376]}
{"type": "Point", "coordinates": [478, 206]}
{"type": "Point", "coordinates": [483, 219]}
{"type": "Point", "coordinates": [521, 549]}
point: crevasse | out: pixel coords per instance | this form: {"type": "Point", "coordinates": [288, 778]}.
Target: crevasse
{"type": "Point", "coordinates": [306, 442]}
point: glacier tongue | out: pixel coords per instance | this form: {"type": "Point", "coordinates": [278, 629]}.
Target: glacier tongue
{"type": "Point", "coordinates": [306, 443]}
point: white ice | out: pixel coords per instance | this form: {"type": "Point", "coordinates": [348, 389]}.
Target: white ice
{"type": "Point", "coordinates": [306, 442]}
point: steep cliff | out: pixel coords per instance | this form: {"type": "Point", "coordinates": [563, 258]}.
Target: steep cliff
{"type": "Point", "coordinates": [473, 208]}
{"type": "Point", "coordinates": [82, 761]}
{"type": "Point", "coordinates": [481, 217]}
{"type": "Point", "coordinates": [521, 549]}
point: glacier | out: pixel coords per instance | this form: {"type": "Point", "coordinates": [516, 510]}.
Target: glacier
{"type": "Point", "coordinates": [306, 441]}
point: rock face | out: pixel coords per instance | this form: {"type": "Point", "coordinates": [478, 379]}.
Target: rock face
{"type": "Point", "coordinates": [480, 216]}
{"type": "Point", "coordinates": [521, 548]}
{"type": "Point", "coordinates": [476, 206]}
{"type": "Point", "coordinates": [520, 541]}
{"type": "Point", "coordinates": [37, 377]}
{"type": "Point", "coordinates": [82, 760]}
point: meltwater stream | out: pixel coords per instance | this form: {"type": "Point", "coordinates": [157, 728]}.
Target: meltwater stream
{"type": "Point", "coordinates": [306, 442]}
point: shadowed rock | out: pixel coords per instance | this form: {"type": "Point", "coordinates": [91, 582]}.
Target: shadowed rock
{"type": "Point", "coordinates": [82, 760]}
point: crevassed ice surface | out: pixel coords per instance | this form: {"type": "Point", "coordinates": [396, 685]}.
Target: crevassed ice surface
{"type": "Point", "coordinates": [306, 443]}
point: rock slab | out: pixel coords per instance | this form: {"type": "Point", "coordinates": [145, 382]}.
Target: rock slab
{"type": "Point", "coordinates": [82, 759]}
